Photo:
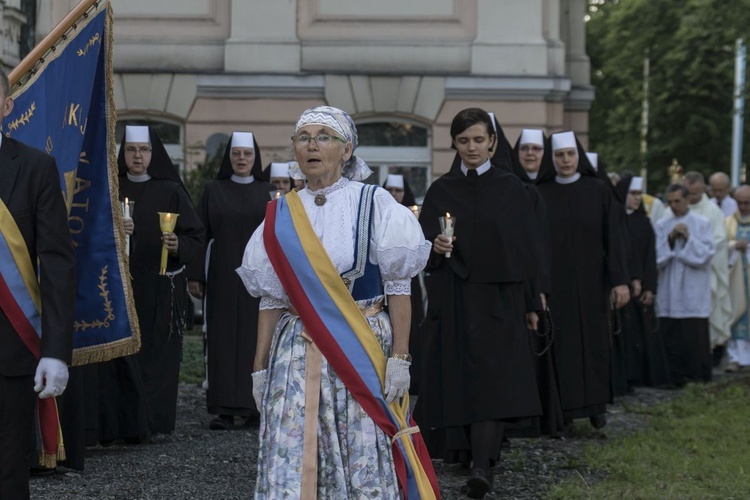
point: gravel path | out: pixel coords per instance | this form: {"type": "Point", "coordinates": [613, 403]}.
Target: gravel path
{"type": "Point", "coordinates": [196, 463]}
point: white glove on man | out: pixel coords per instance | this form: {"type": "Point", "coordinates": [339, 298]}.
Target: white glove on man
{"type": "Point", "coordinates": [397, 379]}
{"type": "Point", "coordinates": [51, 377]}
{"type": "Point", "coordinates": [259, 385]}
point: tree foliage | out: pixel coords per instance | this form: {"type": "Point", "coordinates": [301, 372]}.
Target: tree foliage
{"type": "Point", "coordinates": [690, 44]}
{"type": "Point", "coordinates": [196, 178]}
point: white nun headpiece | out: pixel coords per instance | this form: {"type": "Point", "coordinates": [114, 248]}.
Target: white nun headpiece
{"type": "Point", "coordinates": [279, 170]}
{"type": "Point", "coordinates": [563, 140]}
{"type": "Point", "coordinates": [531, 136]}
{"type": "Point", "coordinates": [593, 159]}
{"type": "Point", "coordinates": [243, 140]}
{"type": "Point", "coordinates": [636, 184]}
{"type": "Point", "coordinates": [395, 181]}
{"type": "Point", "coordinates": [492, 117]}
{"type": "Point", "coordinates": [137, 133]}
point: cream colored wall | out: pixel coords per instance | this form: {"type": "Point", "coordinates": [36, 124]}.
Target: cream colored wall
{"type": "Point", "coordinates": [224, 65]}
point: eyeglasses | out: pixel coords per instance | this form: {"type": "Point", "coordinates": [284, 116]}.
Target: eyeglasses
{"type": "Point", "coordinates": [320, 139]}
{"type": "Point", "coordinates": [238, 153]}
{"type": "Point", "coordinates": [529, 148]}
{"type": "Point", "coordinates": [131, 150]}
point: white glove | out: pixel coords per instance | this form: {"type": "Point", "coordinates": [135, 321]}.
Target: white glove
{"type": "Point", "coordinates": [259, 386]}
{"type": "Point", "coordinates": [397, 379]}
{"type": "Point", "coordinates": [51, 377]}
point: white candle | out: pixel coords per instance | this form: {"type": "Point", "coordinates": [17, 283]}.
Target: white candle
{"type": "Point", "coordinates": [127, 208]}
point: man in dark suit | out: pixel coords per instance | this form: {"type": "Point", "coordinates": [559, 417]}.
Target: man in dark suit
{"type": "Point", "coordinates": [30, 189]}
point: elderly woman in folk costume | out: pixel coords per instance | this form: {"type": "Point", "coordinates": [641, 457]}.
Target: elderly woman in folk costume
{"type": "Point", "coordinates": [332, 369]}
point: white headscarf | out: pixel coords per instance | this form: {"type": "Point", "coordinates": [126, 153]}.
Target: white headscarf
{"type": "Point", "coordinates": [355, 169]}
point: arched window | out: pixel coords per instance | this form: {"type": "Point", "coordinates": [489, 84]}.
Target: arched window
{"type": "Point", "coordinates": [169, 133]}
{"type": "Point", "coordinates": [397, 147]}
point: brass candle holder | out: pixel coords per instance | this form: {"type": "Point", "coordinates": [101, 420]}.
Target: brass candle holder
{"type": "Point", "coordinates": [167, 223]}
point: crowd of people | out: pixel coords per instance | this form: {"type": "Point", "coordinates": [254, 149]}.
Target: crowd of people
{"type": "Point", "coordinates": [529, 290]}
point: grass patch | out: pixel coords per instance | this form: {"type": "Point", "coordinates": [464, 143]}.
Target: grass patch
{"type": "Point", "coordinates": [192, 368]}
{"type": "Point", "coordinates": [697, 446]}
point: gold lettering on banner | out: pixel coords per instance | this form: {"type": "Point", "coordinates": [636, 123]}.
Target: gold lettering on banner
{"type": "Point", "coordinates": [48, 146]}
{"type": "Point", "coordinates": [92, 41]}
{"type": "Point", "coordinates": [74, 117]}
{"type": "Point", "coordinates": [76, 223]}
{"type": "Point", "coordinates": [109, 314]}
{"type": "Point", "coordinates": [70, 182]}
{"type": "Point", "coordinates": [23, 119]}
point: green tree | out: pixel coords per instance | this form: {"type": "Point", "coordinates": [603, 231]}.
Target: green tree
{"type": "Point", "coordinates": [690, 44]}
{"type": "Point", "coordinates": [196, 178]}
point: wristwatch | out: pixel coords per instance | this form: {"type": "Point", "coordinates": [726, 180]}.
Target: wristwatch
{"type": "Point", "coordinates": [403, 357]}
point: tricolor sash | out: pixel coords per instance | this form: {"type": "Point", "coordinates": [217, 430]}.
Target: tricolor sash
{"type": "Point", "coordinates": [20, 300]}
{"type": "Point", "coordinates": [343, 335]}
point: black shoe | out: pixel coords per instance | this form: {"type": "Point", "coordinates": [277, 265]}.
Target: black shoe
{"type": "Point", "coordinates": [252, 421]}
{"type": "Point", "coordinates": [478, 484]}
{"type": "Point", "coordinates": [221, 423]}
{"type": "Point", "coordinates": [137, 439]}
{"type": "Point", "coordinates": [598, 421]}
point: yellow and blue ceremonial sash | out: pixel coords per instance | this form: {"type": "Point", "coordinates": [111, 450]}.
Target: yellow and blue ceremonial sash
{"type": "Point", "coordinates": [343, 335]}
{"type": "Point", "coordinates": [20, 300]}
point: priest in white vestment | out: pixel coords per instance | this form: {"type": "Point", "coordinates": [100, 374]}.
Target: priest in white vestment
{"type": "Point", "coordinates": [684, 250]}
{"type": "Point", "coordinates": [721, 312]}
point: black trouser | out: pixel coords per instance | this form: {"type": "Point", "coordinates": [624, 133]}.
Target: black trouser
{"type": "Point", "coordinates": [17, 405]}
{"type": "Point", "coordinates": [688, 347]}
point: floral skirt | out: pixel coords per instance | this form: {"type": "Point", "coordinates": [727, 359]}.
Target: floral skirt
{"type": "Point", "coordinates": [354, 455]}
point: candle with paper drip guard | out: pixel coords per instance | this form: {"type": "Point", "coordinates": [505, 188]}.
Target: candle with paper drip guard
{"type": "Point", "coordinates": [447, 225]}
{"type": "Point", "coordinates": [127, 213]}
{"type": "Point", "coordinates": [276, 194]}
{"type": "Point", "coordinates": [415, 209]}
{"type": "Point", "coordinates": [167, 223]}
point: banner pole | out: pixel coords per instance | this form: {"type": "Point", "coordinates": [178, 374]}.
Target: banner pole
{"type": "Point", "coordinates": [41, 49]}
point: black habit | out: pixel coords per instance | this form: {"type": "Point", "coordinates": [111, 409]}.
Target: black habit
{"type": "Point", "coordinates": [230, 212]}
{"type": "Point", "coordinates": [588, 259]}
{"type": "Point", "coordinates": [131, 396]}
{"type": "Point", "coordinates": [645, 354]}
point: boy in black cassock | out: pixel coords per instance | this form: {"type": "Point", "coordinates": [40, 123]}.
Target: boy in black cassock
{"type": "Point", "coordinates": [478, 367]}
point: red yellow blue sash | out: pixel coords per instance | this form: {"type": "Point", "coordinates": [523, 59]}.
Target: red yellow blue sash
{"type": "Point", "coordinates": [341, 332]}
{"type": "Point", "coordinates": [21, 302]}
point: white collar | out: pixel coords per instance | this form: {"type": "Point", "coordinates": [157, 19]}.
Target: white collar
{"type": "Point", "coordinates": [481, 169]}
{"type": "Point", "coordinates": [568, 180]}
{"type": "Point", "coordinates": [242, 180]}
{"type": "Point", "coordinates": [533, 175]}
{"type": "Point", "coordinates": [138, 178]}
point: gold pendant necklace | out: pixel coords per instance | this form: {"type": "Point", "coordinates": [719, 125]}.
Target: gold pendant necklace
{"type": "Point", "coordinates": [320, 199]}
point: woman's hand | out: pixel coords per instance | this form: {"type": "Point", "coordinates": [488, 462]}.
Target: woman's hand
{"type": "Point", "coordinates": [128, 225]}
{"type": "Point", "coordinates": [172, 243]}
{"type": "Point", "coordinates": [397, 379]}
{"type": "Point", "coordinates": [196, 289]}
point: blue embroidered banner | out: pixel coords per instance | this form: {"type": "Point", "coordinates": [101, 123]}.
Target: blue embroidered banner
{"type": "Point", "coordinates": [65, 106]}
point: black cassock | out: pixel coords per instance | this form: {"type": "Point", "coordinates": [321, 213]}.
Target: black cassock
{"type": "Point", "coordinates": [646, 357]}
{"type": "Point", "coordinates": [587, 260]}
{"type": "Point", "coordinates": [477, 362]}
{"type": "Point", "coordinates": [230, 212]}
{"type": "Point", "coordinates": [160, 301]}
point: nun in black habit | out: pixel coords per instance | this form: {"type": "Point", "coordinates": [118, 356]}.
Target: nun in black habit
{"type": "Point", "coordinates": [478, 368]}
{"type": "Point", "coordinates": [231, 208]}
{"type": "Point", "coordinates": [619, 370]}
{"type": "Point", "coordinates": [587, 269]}
{"type": "Point", "coordinates": [148, 177]}
{"type": "Point", "coordinates": [644, 352]}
